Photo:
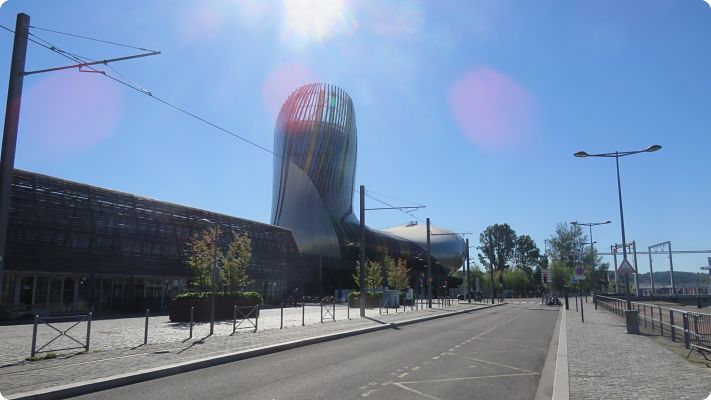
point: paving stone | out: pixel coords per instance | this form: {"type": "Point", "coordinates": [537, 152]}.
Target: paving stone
{"type": "Point", "coordinates": [604, 362]}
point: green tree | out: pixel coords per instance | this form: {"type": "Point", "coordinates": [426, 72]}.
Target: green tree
{"type": "Point", "coordinates": [202, 255]}
{"type": "Point", "coordinates": [566, 244]}
{"type": "Point", "coordinates": [516, 280]}
{"type": "Point", "coordinates": [373, 274]}
{"type": "Point", "coordinates": [496, 245]}
{"type": "Point", "coordinates": [398, 274]}
{"type": "Point", "coordinates": [233, 274]}
{"type": "Point", "coordinates": [560, 274]}
{"type": "Point", "coordinates": [206, 249]}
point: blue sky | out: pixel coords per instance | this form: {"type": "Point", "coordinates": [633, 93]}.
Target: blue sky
{"type": "Point", "coordinates": [473, 108]}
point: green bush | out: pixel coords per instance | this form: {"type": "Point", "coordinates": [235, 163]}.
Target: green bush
{"type": "Point", "coordinates": [226, 295]}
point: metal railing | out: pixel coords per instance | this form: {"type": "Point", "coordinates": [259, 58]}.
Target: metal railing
{"type": "Point", "coordinates": [78, 319]}
{"type": "Point", "coordinates": [692, 327]}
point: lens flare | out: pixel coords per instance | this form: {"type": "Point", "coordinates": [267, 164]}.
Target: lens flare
{"type": "Point", "coordinates": [492, 110]}
{"type": "Point", "coordinates": [66, 113]}
{"type": "Point", "coordinates": [281, 82]}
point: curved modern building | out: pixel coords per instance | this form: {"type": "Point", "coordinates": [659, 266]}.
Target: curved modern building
{"type": "Point", "coordinates": [315, 141]}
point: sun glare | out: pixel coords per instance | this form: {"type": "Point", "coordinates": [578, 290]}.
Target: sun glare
{"type": "Point", "coordinates": [306, 21]}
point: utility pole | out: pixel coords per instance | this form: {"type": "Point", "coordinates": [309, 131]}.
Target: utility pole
{"type": "Point", "coordinates": [9, 136]}
{"type": "Point", "coordinates": [469, 283]}
{"type": "Point", "coordinates": [12, 120]}
{"type": "Point", "coordinates": [429, 267]}
{"type": "Point", "coordinates": [362, 251]}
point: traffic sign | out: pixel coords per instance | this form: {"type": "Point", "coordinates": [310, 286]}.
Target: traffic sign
{"type": "Point", "coordinates": [580, 273]}
{"type": "Point", "coordinates": [625, 268]}
{"type": "Point", "coordinates": [573, 279]}
{"type": "Point", "coordinates": [545, 276]}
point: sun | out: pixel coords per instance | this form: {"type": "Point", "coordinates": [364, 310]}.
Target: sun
{"type": "Point", "coordinates": [306, 21]}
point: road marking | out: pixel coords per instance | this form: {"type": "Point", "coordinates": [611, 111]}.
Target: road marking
{"type": "Point", "coordinates": [404, 374]}
{"type": "Point", "coordinates": [427, 396]}
{"type": "Point", "coordinates": [435, 358]}
{"type": "Point", "coordinates": [467, 378]}
{"type": "Point", "coordinates": [371, 391]}
{"type": "Point", "coordinates": [491, 362]}
{"type": "Point", "coordinates": [415, 368]}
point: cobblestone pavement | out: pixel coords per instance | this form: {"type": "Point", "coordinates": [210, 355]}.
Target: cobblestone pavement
{"type": "Point", "coordinates": [111, 334]}
{"type": "Point", "coordinates": [119, 344]}
{"type": "Point", "coordinates": [604, 362]}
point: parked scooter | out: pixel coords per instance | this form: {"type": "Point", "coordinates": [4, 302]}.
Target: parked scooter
{"type": "Point", "coordinates": [553, 300]}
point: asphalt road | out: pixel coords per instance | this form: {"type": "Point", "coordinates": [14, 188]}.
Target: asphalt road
{"type": "Point", "coordinates": [496, 353]}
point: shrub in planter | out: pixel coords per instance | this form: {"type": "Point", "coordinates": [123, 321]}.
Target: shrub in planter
{"type": "Point", "coordinates": [179, 308]}
{"type": "Point", "coordinates": [372, 300]}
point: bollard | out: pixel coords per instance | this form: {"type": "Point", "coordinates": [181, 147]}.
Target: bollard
{"type": "Point", "coordinates": [333, 310]}
{"type": "Point", "coordinates": [192, 318]}
{"type": "Point", "coordinates": [145, 331]}
{"type": "Point", "coordinates": [582, 313]}
{"type": "Point", "coordinates": [594, 300]}
{"type": "Point", "coordinates": [281, 317]}
{"type": "Point", "coordinates": [651, 317]}
{"type": "Point", "coordinates": [671, 324]}
{"type": "Point", "coordinates": [88, 330]}
{"type": "Point", "coordinates": [256, 320]}
{"type": "Point", "coordinates": [380, 307]}
{"type": "Point", "coordinates": [661, 326]}
{"type": "Point", "coordinates": [34, 336]}
{"type": "Point", "coordinates": [644, 312]}
{"type": "Point", "coordinates": [685, 321]}
{"type": "Point", "coordinates": [348, 310]}
{"type": "Point", "coordinates": [303, 312]}
{"type": "Point", "coordinates": [322, 311]}
{"type": "Point", "coordinates": [234, 319]}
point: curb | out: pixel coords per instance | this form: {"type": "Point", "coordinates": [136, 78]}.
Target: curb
{"type": "Point", "coordinates": [110, 382]}
{"type": "Point", "coordinates": [561, 388]}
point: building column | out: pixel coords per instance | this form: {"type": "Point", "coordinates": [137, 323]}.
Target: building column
{"type": "Point", "coordinates": [18, 289]}
{"type": "Point", "coordinates": [34, 290]}
{"type": "Point", "coordinates": [75, 298]}
{"type": "Point", "coordinates": [49, 291]}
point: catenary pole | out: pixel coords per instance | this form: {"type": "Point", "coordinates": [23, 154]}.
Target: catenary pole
{"type": "Point", "coordinates": [362, 251]}
{"type": "Point", "coordinates": [12, 121]}
{"type": "Point", "coordinates": [429, 267]}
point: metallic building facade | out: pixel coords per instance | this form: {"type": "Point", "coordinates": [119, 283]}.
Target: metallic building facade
{"type": "Point", "coordinates": [72, 246]}
{"type": "Point", "coordinates": [315, 142]}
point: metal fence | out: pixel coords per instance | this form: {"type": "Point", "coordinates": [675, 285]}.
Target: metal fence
{"type": "Point", "coordinates": [693, 328]}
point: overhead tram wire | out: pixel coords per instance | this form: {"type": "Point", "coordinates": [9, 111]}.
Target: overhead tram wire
{"type": "Point", "coordinates": [133, 85]}
{"type": "Point", "coordinates": [392, 206]}
{"type": "Point", "coordinates": [80, 59]}
{"type": "Point", "coordinates": [90, 38]}
{"type": "Point", "coordinates": [393, 197]}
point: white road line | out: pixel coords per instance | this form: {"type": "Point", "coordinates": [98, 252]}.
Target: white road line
{"type": "Point", "coordinates": [417, 392]}
{"type": "Point", "coordinates": [561, 390]}
{"type": "Point", "coordinates": [469, 378]}
{"type": "Point", "coordinates": [404, 374]}
{"type": "Point", "coordinates": [492, 363]}
{"type": "Point", "coordinates": [415, 368]}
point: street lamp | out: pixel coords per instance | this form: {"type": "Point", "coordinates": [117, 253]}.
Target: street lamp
{"type": "Point", "coordinates": [592, 249]}
{"type": "Point", "coordinates": [617, 155]}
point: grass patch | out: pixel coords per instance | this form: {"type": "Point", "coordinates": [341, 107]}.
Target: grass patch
{"type": "Point", "coordinates": [46, 356]}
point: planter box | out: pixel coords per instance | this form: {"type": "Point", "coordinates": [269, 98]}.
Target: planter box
{"type": "Point", "coordinates": [370, 302]}
{"type": "Point", "coordinates": [179, 309]}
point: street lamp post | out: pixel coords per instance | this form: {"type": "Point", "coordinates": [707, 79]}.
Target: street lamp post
{"type": "Point", "coordinates": [617, 155]}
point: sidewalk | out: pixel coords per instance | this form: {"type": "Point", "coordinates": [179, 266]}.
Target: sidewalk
{"type": "Point", "coordinates": [23, 376]}
{"type": "Point", "coordinates": [604, 362]}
